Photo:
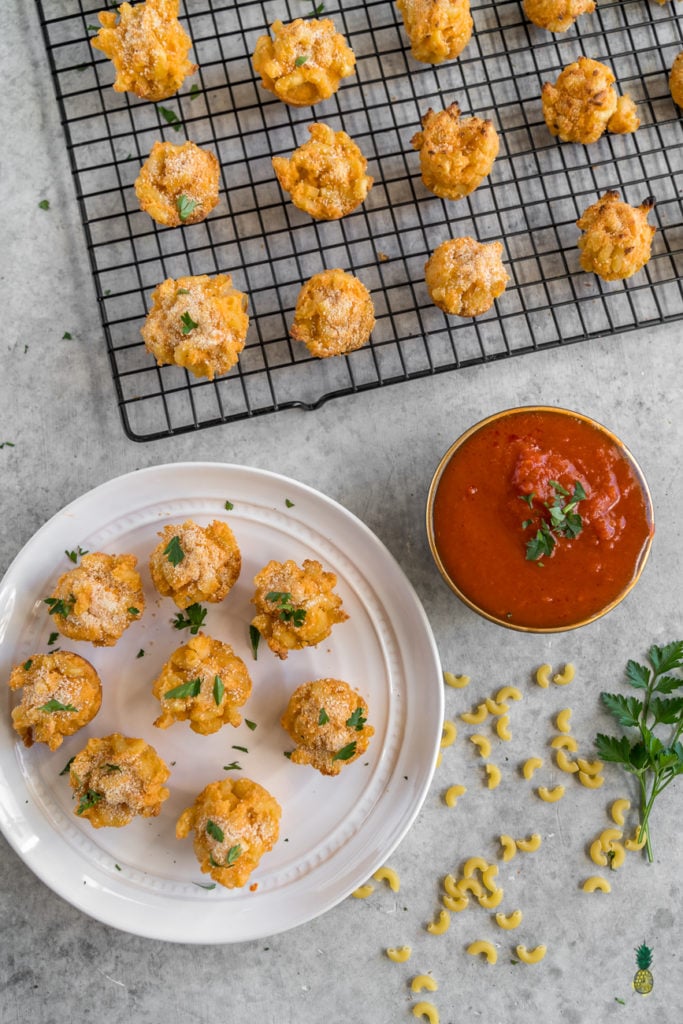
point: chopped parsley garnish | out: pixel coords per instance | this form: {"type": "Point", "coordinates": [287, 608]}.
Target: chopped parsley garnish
{"type": "Point", "coordinates": [133, 611]}
{"type": "Point", "coordinates": [182, 291]}
{"type": "Point", "coordinates": [323, 717]}
{"type": "Point", "coordinates": [346, 752]}
{"type": "Point", "coordinates": [7, 444]}
{"type": "Point", "coordinates": [186, 207]}
{"type": "Point", "coordinates": [205, 885]}
{"type": "Point", "coordinates": [44, 204]}
{"type": "Point", "coordinates": [564, 520]}
{"type": "Point", "coordinates": [215, 831]}
{"type": "Point", "coordinates": [189, 689]}
{"type": "Point", "coordinates": [67, 336]}
{"type": "Point", "coordinates": [188, 323]}
{"type": "Point", "coordinates": [88, 800]}
{"type": "Point", "coordinates": [254, 637]}
{"type": "Point", "coordinates": [56, 705]}
{"type": "Point", "coordinates": [67, 766]}
{"type": "Point", "coordinates": [229, 506]}
{"type": "Point", "coordinates": [250, 725]}
{"type": "Point", "coordinates": [301, 60]}
{"type": "Point", "coordinates": [194, 92]}
{"type": "Point", "coordinates": [245, 750]}
{"type": "Point", "coordinates": [52, 639]}
{"type": "Point", "coordinates": [218, 689]}
{"type": "Point", "coordinates": [194, 618]}
{"type": "Point", "coordinates": [234, 766]}
{"type": "Point", "coordinates": [170, 117]}
{"type": "Point", "coordinates": [288, 754]}
{"type": "Point", "coordinates": [288, 613]}
{"type": "Point", "coordinates": [75, 555]}
{"type": "Point", "coordinates": [288, 503]}
{"type": "Point", "coordinates": [111, 768]}
{"type": "Point", "coordinates": [141, 653]}
{"type": "Point", "coordinates": [57, 606]}
{"type": "Point", "coordinates": [27, 664]}
{"type": "Point", "coordinates": [174, 551]}
{"type": "Point", "coordinates": [356, 721]}
{"type": "Point", "coordinates": [233, 854]}
{"type": "Point", "coordinates": [93, 28]}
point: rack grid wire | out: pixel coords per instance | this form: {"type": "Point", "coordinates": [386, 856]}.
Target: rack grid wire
{"type": "Point", "coordinates": [531, 201]}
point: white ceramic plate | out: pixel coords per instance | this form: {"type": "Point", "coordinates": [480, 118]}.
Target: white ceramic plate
{"type": "Point", "coordinates": [335, 831]}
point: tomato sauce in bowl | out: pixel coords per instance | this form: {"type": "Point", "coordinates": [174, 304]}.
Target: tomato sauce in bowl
{"type": "Point", "coordinates": [539, 519]}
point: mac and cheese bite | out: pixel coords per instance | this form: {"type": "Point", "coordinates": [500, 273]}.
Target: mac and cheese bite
{"type": "Point", "coordinates": [98, 599]}
{"type": "Point", "coordinates": [192, 564]}
{"type": "Point", "coordinates": [465, 276]}
{"type": "Point", "coordinates": [178, 184]}
{"type": "Point", "coordinates": [456, 154]}
{"type": "Point", "coordinates": [296, 605]}
{"type": "Point", "coordinates": [199, 323]}
{"type": "Point", "coordinates": [556, 15]}
{"type": "Point", "coordinates": [334, 314]}
{"type": "Point", "coordinates": [203, 682]}
{"type": "Point", "coordinates": [116, 778]}
{"type": "Point", "coordinates": [148, 48]}
{"type": "Point", "coordinates": [327, 720]}
{"type": "Point", "coordinates": [234, 824]}
{"type": "Point", "coordinates": [61, 693]}
{"type": "Point", "coordinates": [617, 238]}
{"type": "Point", "coordinates": [325, 177]}
{"type": "Point", "coordinates": [583, 103]}
{"type": "Point", "coordinates": [304, 62]}
{"type": "Point", "coordinates": [438, 30]}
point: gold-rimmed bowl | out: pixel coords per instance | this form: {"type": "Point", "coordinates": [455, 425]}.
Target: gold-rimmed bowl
{"type": "Point", "coordinates": [493, 576]}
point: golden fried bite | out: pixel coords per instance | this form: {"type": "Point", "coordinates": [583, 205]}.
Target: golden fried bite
{"type": "Point", "coordinates": [616, 237]}
{"type": "Point", "coordinates": [62, 693]}
{"type": "Point", "coordinates": [203, 682]}
{"type": "Point", "coordinates": [98, 599]}
{"type": "Point", "coordinates": [676, 80]}
{"type": "Point", "coordinates": [456, 154]}
{"type": "Point", "coordinates": [200, 323]}
{"type": "Point", "coordinates": [304, 62]}
{"type": "Point", "coordinates": [465, 276]}
{"type": "Point", "coordinates": [148, 47]}
{"type": "Point", "coordinates": [195, 563]}
{"type": "Point", "coordinates": [325, 177]}
{"type": "Point", "coordinates": [178, 184]}
{"type": "Point", "coordinates": [328, 722]}
{"type": "Point", "coordinates": [115, 778]}
{"type": "Point", "coordinates": [296, 605]}
{"type": "Point", "coordinates": [556, 15]}
{"type": "Point", "coordinates": [334, 314]}
{"type": "Point", "coordinates": [438, 30]}
{"type": "Point", "coordinates": [234, 824]}
{"type": "Point", "coordinates": [583, 103]}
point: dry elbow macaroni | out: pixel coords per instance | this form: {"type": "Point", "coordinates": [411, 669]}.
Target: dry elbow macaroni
{"type": "Point", "coordinates": [423, 981]}
{"type": "Point", "coordinates": [590, 781]}
{"type": "Point", "coordinates": [531, 956]}
{"type": "Point", "coordinates": [448, 733]}
{"type": "Point", "coordinates": [509, 847]}
{"type": "Point", "coordinates": [455, 903]}
{"type": "Point", "coordinates": [564, 742]}
{"type": "Point", "coordinates": [551, 796]}
{"type": "Point", "coordinates": [493, 772]}
{"type": "Point", "coordinates": [487, 949]}
{"type": "Point", "coordinates": [596, 884]}
{"type": "Point", "coordinates": [597, 854]}
{"type": "Point", "coordinates": [529, 845]}
{"type": "Point", "coordinates": [618, 810]}
{"type": "Point", "coordinates": [508, 693]}
{"type": "Point", "coordinates": [543, 675]}
{"type": "Point", "coordinates": [388, 875]}
{"type": "Point", "coordinates": [473, 864]}
{"type": "Point", "coordinates": [562, 720]}
{"type": "Point", "coordinates": [530, 766]}
{"type": "Point", "coordinates": [637, 841]}
{"type": "Point", "coordinates": [399, 954]}
{"type": "Point", "coordinates": [452, 793]}
{"type": "Point", "coordinates": [487, 876]}
{"type": "Point", "coordinates": [472, 885]}
{"type": "Point", "coordinates": [457, 682]}
{"type": "Point", "coordinates": [607, 837]}
{"type": "Point", "coordinates": [441, 925]}
{"type": "Point", "coordinates": [496, 707]}
{"type": "Point", "coordinates": [563, 762]}
{"type": "Point", "coordinates": [503, 727]}
{"type": "Point", "coordinates": [509, 921]}
{"type": "Point", "coordinates": [426, 1010]}
{"type": "Point", "coordinates": [564, 677]}
{"type": "Point", "coordinates": [363, 891]}
{"type": "Point", "coordinates": [491, 900]}
{"type": "Point", "coordinates": [475, 717]}
{"type": "Point", "coordinates": [482, 743]}
{"type": "Point", "coordinates": [589, 767]}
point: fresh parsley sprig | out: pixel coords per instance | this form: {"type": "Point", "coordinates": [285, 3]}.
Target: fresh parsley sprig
{"type": "Point", "coordinates": [564, 521]}
{"type": "Point", "coordinates": [59, 606]}
{"type": "Point", "coordinates": [193, 619]}
{"type": "Point", "coordinates": [654, 761]}
{"type": "Point", "coordinates": [288, 613]}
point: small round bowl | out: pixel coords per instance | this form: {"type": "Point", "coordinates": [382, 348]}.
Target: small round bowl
{"type": "Point", "coordinates": [451, 495]}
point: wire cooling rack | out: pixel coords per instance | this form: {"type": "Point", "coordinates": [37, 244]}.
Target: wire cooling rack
{"type": "Point", "coordinates": [531, 201]}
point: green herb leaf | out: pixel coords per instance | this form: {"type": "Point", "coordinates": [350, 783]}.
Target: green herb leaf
{"type": "Point", "coordinates": [613, 748]}
{"type": "Point", "coordinates": [56, 705]}
{"type": "Point", "coordinates": [626, 710]}
{"type": "Point", "coordinates": [637, 675]}
{"type": "Point", "coordinates": [288, 754]}
{"type": "Point", "coordinates": [189, 689]}
{"type": "Point", "coordinates": [356, 721]}
{"type": "Point", "coordinates": [182, 291]}
{"type": "Point", "coordinates": [194, 92]}
{"type": "Point", "coordinates": [323, 717]}
{"type": "Point", "coordinates": [250, 725]}
{"type": "Point", "coordinates": [174, 551]}
{"type": "Point", "coordinates": [666, 711]}
{"type": "Point", "coordinates": [67, 336]}
{"type": "Point", "coordinates": [193, 619]}
{"type": "Point", "coordinates": [229, 506]}
{"type": "Point", "coordinates": [564, 520]}
{"type": "Point", "coordinates": [75, 555]}
{"type": "Point", "coordinates": [218, 689]}
{"type": "Point", "coordinates": [58, 606]}
{"type": "Point", "coordinates": [44, 204]}
{"type": "Point", "coordinates": [301, 60]}
{"type": "Point", "coordinates": [67, 766]}
{"type": "Point", "coordinates": [254, 637]}
{"type": "Point", "coordinates": [111, 768]}
{"type": "Point", "coordinates": [288, 612]}
{"type": "Point", "coordinates": [665, 659]}
{"type": "Point", "coordinates": [234, 766]}
{"type": "Point", "coordinates": [27, 664]}
{"type": "Point", "coordinates": [215, 831]}
{"type": "Point", "coordinates": [288, 503]}
{"type": "Point", "coordinates": [52, 639]}
{"type": "Point", "coordinates": [186, 208]}
{"type": "Point", "coordinates": [93, 28]}
{"type": "Point", "coordinates": [205, 885]}
{"type": "Point", "coordinates": [88, 800]}
{"type": "Point", "coordinates": [133, 611]}
{"type": "Point", "coordinates": [667, 684]}
{"type": "Point", "coordinates": [188, 323]}
{"type": "Point", "coordinates": [245, 750]}
{"type": "Point", "coordinates": [141, 653]}
{"type": "Point", "coordinates": [233, 854]}
{"type": "Point", "coordinates": [346, 752]}
{"type": "Point", "coordinates": [170, 117]}
{"type": "Point", "coordinates": [7, 444]}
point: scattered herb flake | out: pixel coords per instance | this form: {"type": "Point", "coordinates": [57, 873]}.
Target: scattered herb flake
{"type": "Point", "coordinates": [174, 551]}
{"type": "Point", "coordinates": [234, 766]}
{"type": "Point", "coordinates": [233, 854]}
{"type": "Point", "coordinates": [88, 800]}
{"type": "Point", "coordinates": [215, 831]}
{"type": "Point", "coordinates": [245, 750]}
{"type": "Point", "coordinates": [44, 204]}
{"type": "Point", "coordinates": [58, 606]}
{"type": "Point", "coordinates": [182, 291]}
{"type": "Point", "coordinates": [27, 664]}
{"type": "Point", "coordinates": [67, 336]}
{"type": "Point", "coordinates": [194, 92]}
{"type": "Point", "coordinates": [301, 60]}
{"type": "Point", "coordinates": [218, 689]}
{"type": "Point", "coordinates": [111, 768]}
{"type": "Point", "coordinates": [194, 619]}
{"type": "Point", "coordinates": [229, 506]}
{"type": "Point", "coordinates": [56, 705]}
{"type": "Point", "coordinates": [356, 721]}
{"type": "Point", "coordinates": [288, 613]}
{"type": "Point", "coordinates": [346, 752]}
{"type": "Point", "coordinates": [186, 207]}
{"type": "Point", "coordinates": [188, 323]}
{"type": "Point", "coordinates": [117, 866]}
{"type": "Point", "coordinates": [170, 117]}
{"type": "Point", "coordinates": [288, 503]}
{"type": "Point", "coordinates": [205, 885]}
{"type": "Point", "coordinates": [93, 28]}
{"type": "Point", "coordinates": [7, 444]}
{"type": "Point", "coordinates": [189, 689]}
{"type": "Point", "coordinates": [254, 637]}
{"type": "Point", "coordinates": [133, 611]}
{"type": "Point", "coordinates": [618, 1000]}
{"type": "Point", "coordinates": [67, 766]}
{"type": "Point", "coordinates": [323, 717]}
{"type": "Point", "coordinates": [52, 639]}
{"type": "Point", "coordinates": [141, 653]}
{"type": "Point", "coordinates": [288, 754]}
{"type": "Point", "coordinates": [75, 555]}
{"type": "Point", "coordinates": [250, 725]}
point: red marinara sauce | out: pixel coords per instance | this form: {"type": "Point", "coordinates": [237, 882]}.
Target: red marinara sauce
{"type": "Point", "coordinates": [478, 512]}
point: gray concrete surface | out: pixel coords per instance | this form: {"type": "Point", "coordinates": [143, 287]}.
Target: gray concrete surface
{"type": "Point", "coordinates": [375, 454]}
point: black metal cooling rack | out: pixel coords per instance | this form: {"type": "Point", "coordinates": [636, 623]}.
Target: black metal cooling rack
{"type": "Point", "coordinates": [537, 190]}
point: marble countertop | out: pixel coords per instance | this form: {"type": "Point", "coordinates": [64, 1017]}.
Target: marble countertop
{"type": "Point", "coordinates": [375, 454]}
